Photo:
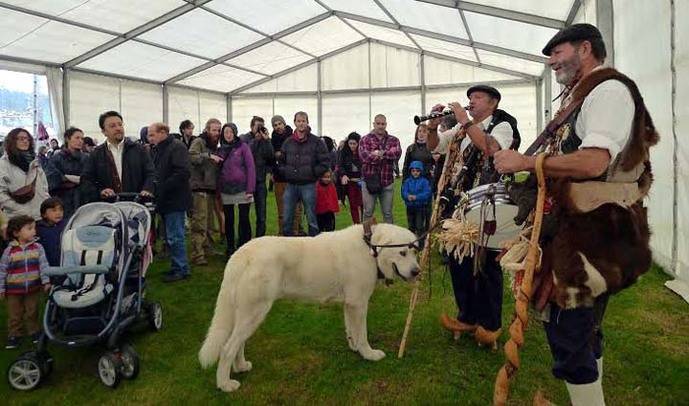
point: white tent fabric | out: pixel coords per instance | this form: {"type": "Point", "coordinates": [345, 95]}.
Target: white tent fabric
{"type": "Point", "coordinates": [345, 61]}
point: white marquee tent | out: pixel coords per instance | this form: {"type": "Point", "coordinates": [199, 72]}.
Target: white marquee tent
{"type": "Point", "coordinates": [345, 61]}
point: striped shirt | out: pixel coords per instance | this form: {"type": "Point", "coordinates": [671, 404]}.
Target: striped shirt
{"type": "Point", "coordinates": [22, 268]}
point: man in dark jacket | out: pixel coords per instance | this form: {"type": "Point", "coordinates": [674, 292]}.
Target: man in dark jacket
{"type": "Point", "coordinates": [281, 132]}
{"type": "Point", "coordinates": [119, 164]}
{"type": "Point", "coordinates": [173, 194]}
{"type": "Point", "coordinates": [262, 150]}
{"type": "Point", "coordinates": [304, 159]}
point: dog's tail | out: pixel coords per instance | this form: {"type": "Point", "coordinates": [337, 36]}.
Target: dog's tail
{"type": "Point", "coordinates": [222, 323]}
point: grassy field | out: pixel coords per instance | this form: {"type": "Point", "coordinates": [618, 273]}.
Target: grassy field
{"type": "Point", "coordinates": [300, 355]}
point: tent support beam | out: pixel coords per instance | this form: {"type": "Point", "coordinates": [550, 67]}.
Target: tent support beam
{"type": "Point", "coordinates": [606, 26]}
{"type": "Point", "coordinates": [573, 12]}
{"type": "Point", "coordinates": [499, 12]}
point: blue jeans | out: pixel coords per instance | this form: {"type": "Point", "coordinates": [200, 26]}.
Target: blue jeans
{"type": "Point", "coordinates": [174, 229]}
{"type": "Point", "coordinates": [293, 194]}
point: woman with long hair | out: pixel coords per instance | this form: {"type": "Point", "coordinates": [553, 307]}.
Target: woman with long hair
{"type": "Point", "coordinates": [64, 172]}
{"type": "Point", "coordinates": [23, 184]}
{"type": "Point", "coordinates": [350, 175]}
{"type": "Point", "coordinates": [236, 184]}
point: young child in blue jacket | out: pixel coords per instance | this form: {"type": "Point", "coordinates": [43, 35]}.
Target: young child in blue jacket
{"type": "Point", "coordinates": [416, 192]}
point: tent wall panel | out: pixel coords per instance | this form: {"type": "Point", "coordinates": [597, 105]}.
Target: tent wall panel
{"type": "Point", "coordinates": [286, 106]}
{"type": "Point", "coordinates": [348, 70]}
{"type": "Point", "coordinates": [211, 105]}
{"type": "Point", "coordinates": [391, 67]}
{"type": "Point", "coordinates": [90, 96]}
{"type": "Point", "coordinates": [244, 108]}
{"type": "Point", "coordinates": [681, 129]}
{"type": "Point", "coordinates": [399, 109]}
{"type": "Point", "coordinates": [183, 104]}
{"type": "Point", "coordinates": [634, 49]}
{"type": "Point", "coordinates": [345, 113]}
{"type": "Point", "coordinates": [142, 104]}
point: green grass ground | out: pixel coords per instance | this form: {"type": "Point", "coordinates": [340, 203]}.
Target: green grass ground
{"type": "Point", "coordinates": [300, 355]}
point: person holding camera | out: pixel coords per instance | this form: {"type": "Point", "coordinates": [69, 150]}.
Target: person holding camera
{"type": "Point", "coordinates": [262, 150]}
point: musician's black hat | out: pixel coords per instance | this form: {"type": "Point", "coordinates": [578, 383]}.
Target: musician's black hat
{"type": "Point", "coordinates": [493, 92]}
{"type": "Point", "coordinates": [575, 32]}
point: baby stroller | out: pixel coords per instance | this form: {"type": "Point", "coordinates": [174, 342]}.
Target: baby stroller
{"type": "Point", "coordinates": [104, 256]}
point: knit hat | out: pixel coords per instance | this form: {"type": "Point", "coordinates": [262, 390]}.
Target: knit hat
{"type": "Point", "coordinates": [277, 118]}
{"type": "Point", "coordinates": [416, 165]}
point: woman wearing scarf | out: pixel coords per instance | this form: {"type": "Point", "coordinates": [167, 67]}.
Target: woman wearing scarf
{"type": "Point", "coordinates": [236, 184]}
{"type": "Point", "coordinates": [64, 172]}
{"type": "Point", "coordinates": [350, 175]}
{"type": "Point", "coordinates": [23, 184]}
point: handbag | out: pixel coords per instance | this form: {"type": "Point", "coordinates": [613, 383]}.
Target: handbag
{"type": "Point", "coordinates": [25, 193]}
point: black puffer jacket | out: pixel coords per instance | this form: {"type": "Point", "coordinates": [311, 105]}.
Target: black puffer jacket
{"type": "Point", "coordinates": [418, 152]}
{"type": "Point", "coordinates": [277, 140]}
{"type": "Point", "coordinates": [304, 161]}
{"type": "Point", "coordinates": [173, 169]}
{"type": "Point", "coordinates": [349, 163]}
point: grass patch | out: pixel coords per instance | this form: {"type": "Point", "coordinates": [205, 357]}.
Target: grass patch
{"type": "Point", "coordinates": [300, 355]}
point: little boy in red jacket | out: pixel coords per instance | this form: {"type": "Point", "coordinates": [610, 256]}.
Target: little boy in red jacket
{"type": "Point", "coordinates": [326, 202]}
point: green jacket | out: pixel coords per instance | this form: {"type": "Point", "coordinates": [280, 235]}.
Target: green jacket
{"type": "Point", "coordinates": [204, 172]}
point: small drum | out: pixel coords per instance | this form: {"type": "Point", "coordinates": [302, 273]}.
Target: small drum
{"type": "Point", "coordinates": [498, 206]}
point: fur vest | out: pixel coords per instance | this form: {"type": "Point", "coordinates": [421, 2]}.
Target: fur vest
{"type": "Point", "coordinates": [602, 246]}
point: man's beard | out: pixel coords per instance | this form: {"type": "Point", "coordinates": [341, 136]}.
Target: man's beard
{"type": "Point", "coordinates": [568, 71]}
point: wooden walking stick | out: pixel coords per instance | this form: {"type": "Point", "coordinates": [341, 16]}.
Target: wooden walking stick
{"type": "Point", "coordinates": [521, 318]}
{"type": "Point", "coordinates": [426, 253]}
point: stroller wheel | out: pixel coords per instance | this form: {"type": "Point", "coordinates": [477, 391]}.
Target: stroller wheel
{"type": "Point", "coordinates": [130, 362]}
{"type": "Point", "coordinates": [25, 373]}
{"type": "Point", "coordinates": [109, 366]}
{"type": "Point", "coordinates": [155, 316]}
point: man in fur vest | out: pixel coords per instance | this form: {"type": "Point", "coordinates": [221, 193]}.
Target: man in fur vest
{"type": "Point", "coordinates": [596, 241]}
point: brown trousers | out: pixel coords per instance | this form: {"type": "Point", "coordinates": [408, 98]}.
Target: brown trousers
{"type": "Point", "coordinates": [203, 207]}
{"type": "Point", "coordinates": [22, 309]}
{"type": "Point", "coordinates": [297, 228]}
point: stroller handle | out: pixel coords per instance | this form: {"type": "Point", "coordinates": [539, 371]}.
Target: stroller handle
{"type": "Point", "coordinates": [128, 197]}
{"type": "Point", "coordinates": [87, 269]}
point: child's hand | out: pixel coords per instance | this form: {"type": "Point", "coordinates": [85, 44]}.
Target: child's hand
{"type": "Point", "coordinates": [412, 198]}
{"type": "Point", "coordinates": [46, 287]}
{"type": "Point", "coordinates": [2, 296]}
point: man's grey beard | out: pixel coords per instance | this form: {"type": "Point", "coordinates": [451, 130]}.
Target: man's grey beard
{"type": "Point", "coordinates": [568, 71]}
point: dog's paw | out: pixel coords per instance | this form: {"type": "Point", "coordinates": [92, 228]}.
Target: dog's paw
{"type": "Point", "coordinates": [350, 343]}
{"type": "Point", "coordinates": [374, 355]}
{"type": "Point", "coordinates": [229, 386]}
{"type": "Point", "coordinates": [245, 367]}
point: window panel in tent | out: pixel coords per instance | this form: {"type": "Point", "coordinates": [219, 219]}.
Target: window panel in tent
{"type": "Point", "coordinates": [392, 67]}
{"type": "Point", "coordinates": [122, 15]}
{"type": "Point", "coordinates": [244, 108]}
{"type": "Point", "coordinates": [304, 79]}
{"type": "Point", "coordinates": [142, 61]}
{"type": "Point", "coordinates": [268, 16]}
{"type": "Point", "coordinates": [89, 97]}
{"type": "Point", "coordinates": [509, 34]}
{"type": "Point", "coordinates": [441, 71]}
{"type": "Point", "coordinates": [343, 114]}
{"type": "Point", "coordinates": [366, 8]}
{"type": "Point", "coordinates": [200, 32]}
{"type": "Point", "coordinates": [323, 37]}
{"type": "Point", "coordinates": [183, 104]}
{"type": "Point", "coordinates": [271, 58]}
{"type": "Point", "coordinates": [445, 96]}
{"type": "Point", "coordinates": [211, 105]}
{"type": "Point", "coordinates": [520, 101]}
{"type": "Point", "coordinates": [31, 37]}
{"type": "Point", "coordinates": [399, 109]}
{"type": "Point", "coordinates": [382, 33]}
{"type": "Point", "coordinates": [220, 78]}
{"type": "Point", "coordinates": [558, 10]}
{"type": "Point", "coordinates": [142, 104]}
{"type": "Point", "coordinates": [445, 48]}
{"type": "Point", "coordinates": [427, 16]}
{"type": "Point", "coordinates": [286, 106]}
{"type": "Point", "coordinates": [511, 63]}
{"type": "Point", "coordinates": [348, 70]}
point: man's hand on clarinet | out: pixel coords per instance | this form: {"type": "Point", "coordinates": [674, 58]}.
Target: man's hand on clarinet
{"type": "Point", "coordinates": [460, 113]}
{"type": "Point", "coordinates": [510, 161]}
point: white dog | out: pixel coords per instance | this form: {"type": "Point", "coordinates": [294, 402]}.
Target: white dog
{"type": "Point", "coordinates": [336, 266]}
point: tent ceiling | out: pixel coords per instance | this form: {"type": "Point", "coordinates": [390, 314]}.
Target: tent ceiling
{"type": "Point", "coordinates": [231, 44]}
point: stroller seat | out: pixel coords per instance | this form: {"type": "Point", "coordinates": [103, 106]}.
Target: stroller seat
{"type": "Point", "coordinates": [87, 245]}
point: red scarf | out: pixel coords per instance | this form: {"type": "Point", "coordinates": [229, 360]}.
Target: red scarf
{"type": "Point", "coordinates": [295, 135]}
